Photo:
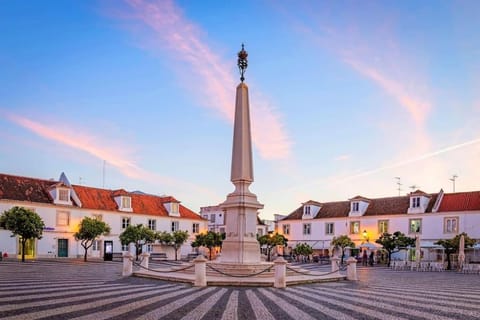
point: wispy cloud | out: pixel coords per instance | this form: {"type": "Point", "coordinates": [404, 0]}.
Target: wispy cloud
{"type": "Point", "coordinates": [342, 157]}
{"type": "Point", "coordinates": [118, 156]}
{"type": "Point", "coordinates": [411, 160]}
{"type": "Point", "coordinates": [172, 33]}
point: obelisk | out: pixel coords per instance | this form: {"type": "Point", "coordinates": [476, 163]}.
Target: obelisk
{"type": "Point", "coordinates": [241, 206]}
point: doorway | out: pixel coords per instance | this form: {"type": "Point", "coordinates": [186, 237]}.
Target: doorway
{"type": "Point", "coordinates": [29, 248]}
{"type": "Point", "coordinates": [62, 248]}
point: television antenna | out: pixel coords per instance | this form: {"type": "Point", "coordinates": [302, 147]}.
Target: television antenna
{"type": "Point", "coordinates": [453, 178]}
{"type": "Point", "coordinates": [399, 184]}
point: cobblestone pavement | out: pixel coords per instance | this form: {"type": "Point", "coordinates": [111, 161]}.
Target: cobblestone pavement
{"type": "Point", "coordinates": [65, 289]}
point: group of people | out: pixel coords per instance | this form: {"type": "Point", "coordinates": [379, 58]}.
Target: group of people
{"type": "Point", "coordinates": [367, 259]}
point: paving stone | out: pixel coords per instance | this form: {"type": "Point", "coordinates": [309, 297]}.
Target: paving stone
{"type": "Point", "coordinates": [72, 289]}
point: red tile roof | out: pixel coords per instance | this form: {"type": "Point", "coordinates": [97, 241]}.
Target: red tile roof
{"type": "Point", "coordinates": [377, 207]}
{"type": "Point", "coordinates": [460, 201]}
{"type": "Point", "coordinates": [36, 190]}
{"type": "Point", "coordinates": [25, 189]}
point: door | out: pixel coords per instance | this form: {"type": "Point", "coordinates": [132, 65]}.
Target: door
{"type": "Point", "coordinates": [96, 246]}
{"type": "Point", "coordinates": [107, 250]}
{"type": "Point", "coordinates": [62, 248]}
{"type": "Point", "coordinates": [29, 248]}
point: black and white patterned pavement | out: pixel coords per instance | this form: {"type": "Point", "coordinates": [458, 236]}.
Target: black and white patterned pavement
{"type": "Point", "coordinates": [66, 289]}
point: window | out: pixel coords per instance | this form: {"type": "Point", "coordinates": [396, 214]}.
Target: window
{"type": "Point", "coordinates": [415, 226]}
{"type": "Point", "coordinates": [126, 203]}
{"type": "Point", "coordinates": [97, 217]}
{"type": "Point", "coordinates": [125, 222]}
{"type": "Point", "coordinates": [307, 210]}
{"type": "Point", "coordinates": [205, 216]}
{"type": "Point", "coordinates": [355, 206]}
{"type": "Point", "coordinates": [149, 248]}
{"type": "Point", "coordinates": [195, 228]}
{"type": "Point", "coordinates": [307, 228]}
{"type": "Point", "coordinates": [286, 229]}
{"type": "Point", "coordinates": [222, 230]}
{"type": "Point", "coordinates": [96, 245]}
{"type": "Point", "coordinates": [125, 247]}
{"type": "Point", "coordinates": [382, 226]}
{"type": "Point", "coordinates": [212, 217]}
{"type": "Point", "coordinates": [329, 229]}
{"type": "Point", "coordinates": [174, 206]}
{"type": "Point", "coordinates": [260, 232]}
{"type": "Point", "coordinates": [175, 225]}
{"type": "Point", "coordinates": [355, 227]}
{"type": "Point", "coordinates": [63, 218]}
{"type": "Point", "coordinates": [152, 224]}
{"type": "Point", "coordinates": [416, 202]}
{"type": "Point", "coordinates": [63, 194]}
{"type": "Point", "coordinates": [450, 225]}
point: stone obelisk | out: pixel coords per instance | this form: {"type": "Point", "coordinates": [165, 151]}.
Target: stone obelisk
{"type": "Point", "coordinates": [240, 245]}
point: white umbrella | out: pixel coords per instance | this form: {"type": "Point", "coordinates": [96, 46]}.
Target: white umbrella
{"type": "Point", "coordinates": [461, 251]}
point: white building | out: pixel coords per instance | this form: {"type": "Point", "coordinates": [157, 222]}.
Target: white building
{"type": "Point", "coordinates": [216, 220]}
{"type": "Point", "coordinates": [428, 216]}
{"type": "Point", "coordinates": [62, 206]}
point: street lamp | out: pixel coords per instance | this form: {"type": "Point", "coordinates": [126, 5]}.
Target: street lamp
{"type": "Point", "coordinates": [365, 235]}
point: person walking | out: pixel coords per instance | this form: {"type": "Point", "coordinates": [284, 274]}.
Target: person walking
{"type": "Point", "coordinates": [370, 259]}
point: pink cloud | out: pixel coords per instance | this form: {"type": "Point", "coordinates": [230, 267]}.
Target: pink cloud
{"type": "Point", "coordinates": [416, 107]}
{"type": "Point", "coordinates": [118, 156]}
{"type": "Point", "coordinates": [172, 33]}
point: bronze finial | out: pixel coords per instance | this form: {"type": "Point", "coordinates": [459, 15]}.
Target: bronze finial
{"type": "Point", "coordinates": [242, 62]}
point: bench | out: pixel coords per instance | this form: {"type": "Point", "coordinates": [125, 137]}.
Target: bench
{"type": "Point", "coordinates": [158, 256]}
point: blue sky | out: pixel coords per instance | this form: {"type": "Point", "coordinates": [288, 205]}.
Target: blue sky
{"type": "Point", "coordinates": [345, 96]}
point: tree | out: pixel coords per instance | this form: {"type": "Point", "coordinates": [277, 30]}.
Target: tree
{"type": "Point", "coordinates": [303, 249]}
{"type": "Point", "coordinates": [271, 241]}
{"type": "Point", "coordinates": [342, 242]}
{"type": "Point", "coordinates": [175, 239]}
{"type": "Point", "coordinates": [22, 222]}
{"type": "Point", "coordinates": [452, 246]}
{"type": "Point", "coordinates": [139, 235]}
{"type": "Point", "coordinates": [210, 240]}
{"type": "Point", "coordinates": [89, 230]}
{"type": "Point", "coordinates": [394, 242]}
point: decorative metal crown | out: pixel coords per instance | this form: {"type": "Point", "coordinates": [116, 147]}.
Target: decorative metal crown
{"type": "Point", "coordinates": [242, 62]}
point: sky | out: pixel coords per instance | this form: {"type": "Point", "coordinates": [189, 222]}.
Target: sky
{"type": "Point", "coordinates": [347, 98]}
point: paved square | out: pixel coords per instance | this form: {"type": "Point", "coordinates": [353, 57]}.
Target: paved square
{"type": "Point", "coordinates": [65, 289]}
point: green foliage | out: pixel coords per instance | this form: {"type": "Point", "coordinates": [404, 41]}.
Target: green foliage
{"type": "Point", "coordinates": [271, 241]}
{"type": "Point", "coordinates": [175, 239]}
{"type": "Point", "coordinates": [89, 230]}
{"type": "Point", "coordinates": [139, 235]}
{"type": "Point", "coordinates": [210, 240]}
{"type": "Point", "coordinates": [303, 249]}
{"type": "Point", "coordinates": [394, 242]}
{"type": "Point", "coordinates": [342, 242]}
{"type": "Point", "coordinates": [452, 245]}
{"type": "Point", "coordinates": [24, 223]}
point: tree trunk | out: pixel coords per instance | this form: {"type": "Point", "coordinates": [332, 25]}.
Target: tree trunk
{"type": "Point", "coordinates": [389, 258]}
{"type": "Point", "coordinates": [176, 250]}
{"type": "Point", "coordinates": [24, 241]}
{"type": "Point", "coordinates": [449, 265]}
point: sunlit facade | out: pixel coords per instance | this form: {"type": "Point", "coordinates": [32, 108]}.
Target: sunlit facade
{"type": "Point", "coordinates": [62, 206]}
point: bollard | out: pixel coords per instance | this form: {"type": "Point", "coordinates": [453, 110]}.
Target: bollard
{"type": "Point", "coordinates": [335, 263]}
{"type": "Point", "coordinates": [127, 264]}
{"type": "Point", "coordinates": [280, 280]}
{"type": "Point", "coordinates": [144, 256]}
{"type": "Point", "coordinates": [352, 269]}
{"type": "Point", "coordinates": [200, 271]}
